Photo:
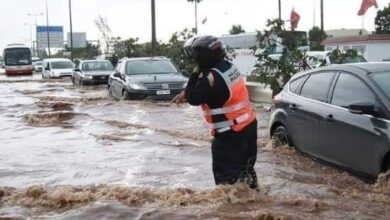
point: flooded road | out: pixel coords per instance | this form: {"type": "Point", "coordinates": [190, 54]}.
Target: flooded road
{"type": "Point", "coordinates": [73, 153]}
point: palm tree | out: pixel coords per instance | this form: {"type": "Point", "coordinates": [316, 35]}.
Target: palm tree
{"type": "Point", "coordinates": [196, 13]}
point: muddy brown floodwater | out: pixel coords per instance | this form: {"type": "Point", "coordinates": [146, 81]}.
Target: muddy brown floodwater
{"type": "Point", "coordinates": [73, 153]}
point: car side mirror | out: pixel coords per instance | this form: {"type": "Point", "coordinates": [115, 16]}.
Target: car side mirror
{"type": "Point", "coordinates": [47, 68]}
{"type": "Point", "coordinates": [77, 69]}
{"type": "Point", "coordinates": [117, 74]}
{"type": "Point", "coordinates": [185, 73]}
{"type": "Point", "coordinates": [362, 108]}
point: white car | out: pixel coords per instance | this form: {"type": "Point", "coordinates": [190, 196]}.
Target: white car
{"type": "Point", "coordinates": [317, 57]}
{"type": "Point", "coordinates": [38, 66]}
{"type": "Point", "coordinates": [57, 68]}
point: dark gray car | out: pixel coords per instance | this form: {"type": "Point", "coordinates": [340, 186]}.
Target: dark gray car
{"type": "Point", "coordinates": [138, 78]}
{"type": "Point", "coordinates": [92, 72]}
{"type": "Point", "coordinates": [338, 114]}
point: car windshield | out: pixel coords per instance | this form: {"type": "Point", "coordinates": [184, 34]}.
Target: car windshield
{"type": "Point", "coordinates": [149, 67]}
{"type": "Point", "coordinates": [18, 56]}
{"type": "Point", "coordinates": [383, 82]}
{"type": "Point", "coordinates": [62, 65]}
{"type": "Point", "coordinates": [96, 65]}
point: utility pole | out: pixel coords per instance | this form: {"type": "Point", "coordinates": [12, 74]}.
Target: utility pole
{"type": "Point", "coordinates": [31, 38]}
{"type": "Point", "coordinates": [322, 15]}
{"type": "Point", "coordinates": [154, 41]}
{"type": "Point", "coordinates": [71, 30]}
{"type": "Point", "coordinates": [196, 17]}
{"type": "Point", "coordinates": [47, 27]}
{"type": "Point", "coordinates": [36, 31]}
{"type": "Point", "coordinates": [280, 10]}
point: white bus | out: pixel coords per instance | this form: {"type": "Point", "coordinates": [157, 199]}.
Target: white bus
{"type": "Point", "coordinates": [17, 60]}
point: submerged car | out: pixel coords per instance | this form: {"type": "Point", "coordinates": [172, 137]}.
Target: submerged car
{"type": "Point", "coordinates": [338, 114]}
{"type": "Point", "coordinates": [92, 72]}
{"type": "Point", "coordinates": [318, 58]}
{"type": "Point", "coordinates": [138, 78]}
{"type": "Point", "coordinates": [38, 66]}
{"type": "Point", "coordinates": [57, 68]}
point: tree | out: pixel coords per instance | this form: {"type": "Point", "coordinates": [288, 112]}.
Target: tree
{"type": "Point", "coordinates": [382, 21]}
{"type": "Point", "coordinates": [131, 48]}
{"type": "Point", "coordinates": [196, 13]}
{"type": "Point", "coordinates": [105, 30]}
{"type": "Point", "coordinates": [89, 52]}
{"type": "Point", "coordinates": [236, 29]}
{"type": "Point", "coordinates": [174, 49]}
{"type": "Point", "coordinates": [277, 72]}
{"type": "Point", "coordinates": [316, 36]}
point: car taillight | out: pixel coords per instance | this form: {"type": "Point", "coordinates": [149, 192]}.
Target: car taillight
{"type": "Point", "coordinates": [277, 98]}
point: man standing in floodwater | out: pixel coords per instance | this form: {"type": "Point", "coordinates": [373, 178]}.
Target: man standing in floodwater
{"type": "Point", "coordinates": [217, 86]}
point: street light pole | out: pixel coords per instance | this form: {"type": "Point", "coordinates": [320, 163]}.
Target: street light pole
{"type": "Point", "coordinates": [36, 32]}
{"type": "Point", "coordinates": [322, 15]}
{"type": "Point", "coordinates": [31, 38]}
{"type": "Point", "coordinates": [47, 27]}
{"type": "Point", "coordinates": [71, 30]}
{"type": "Point", "coordinates": [196, 17]}
{"type": "Point", "coordinates": [154, 41]}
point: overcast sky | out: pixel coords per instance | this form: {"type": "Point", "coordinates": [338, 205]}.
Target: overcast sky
{"type": "Point", "coordinates": [131, 18]}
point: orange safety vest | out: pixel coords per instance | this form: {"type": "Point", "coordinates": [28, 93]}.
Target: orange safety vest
{"type": "Point", "coordinates": [237, 109]}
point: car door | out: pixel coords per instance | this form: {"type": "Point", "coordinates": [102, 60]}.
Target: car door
{"type": "Point", "coordinates": [46, 69]}
{"type": "Point", "coordinates": [77, 72]}
{"type": "Point", "coordinates": [352, 140]}
{"type": "Point", "coordinates": [115, 82]}
{"type": "Point", "coordinates": [305, 111]}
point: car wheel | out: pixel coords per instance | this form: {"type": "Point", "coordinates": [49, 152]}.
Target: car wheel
{"type": "Point", "coordinates": [281, 137]}
{"type": "Point", "coordinates": [73, 82]}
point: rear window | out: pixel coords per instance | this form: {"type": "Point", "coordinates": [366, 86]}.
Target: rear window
{"type": "Point", "coordinates": [97, 65]}
{"type": "Point", "coordinates": [317, 86]}
{"type": "Point", "coordinates": [61, 65]}
{"type": "Point", "coordinates": [293, 86]}
{"type": "Point", "coordinates": [383, 82]}
{"type": "Point", "coordinates": [347, 59]}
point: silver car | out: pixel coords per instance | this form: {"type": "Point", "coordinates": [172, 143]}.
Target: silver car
{"type": "Point", "coordinates": [92, 72]}
{"type": "Point", "coordinates": [138, 78]}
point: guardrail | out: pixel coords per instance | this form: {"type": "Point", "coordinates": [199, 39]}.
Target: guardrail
{"type": "Point", "coordinates": [259, 93]}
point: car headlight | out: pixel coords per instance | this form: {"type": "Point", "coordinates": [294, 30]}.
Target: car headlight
{"type": "Point", "coordinates": [185, 85]}
{"type": "Point", "coordinates": [137, 86]}
{"type": "Point", "coordinates": [88, 77]}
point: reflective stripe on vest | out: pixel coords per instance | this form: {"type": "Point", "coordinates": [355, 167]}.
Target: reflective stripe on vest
{"type": "Point", "coordinates": [223, 110]}
{"type": "Point", "coordinates": [237, 109]}
{"type": "Point", "coordinates": [230, 123]}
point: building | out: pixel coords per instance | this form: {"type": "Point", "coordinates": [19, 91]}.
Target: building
{"type": "Point", "coordinates": [375, 47]}
{"type": "Point", "coordinates": [346, 32]}
{"type": "Point", "coordinates": [245, 44]}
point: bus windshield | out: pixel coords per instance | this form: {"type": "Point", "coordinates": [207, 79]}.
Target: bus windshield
{"type": "Point", "coordinates": [17, 56]}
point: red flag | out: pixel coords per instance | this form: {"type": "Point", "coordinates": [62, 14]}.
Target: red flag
{"type": "Point", "coordinates": [366, 4]}
{"type": "Point", "coordinates": [294, 19]}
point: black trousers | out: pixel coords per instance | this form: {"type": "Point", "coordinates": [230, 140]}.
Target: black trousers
{"type": "Point", "coordinates": [234, 156]}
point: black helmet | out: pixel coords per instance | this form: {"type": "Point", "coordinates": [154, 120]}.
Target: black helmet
{"type": "Point", "coordinates": [205, 50]}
